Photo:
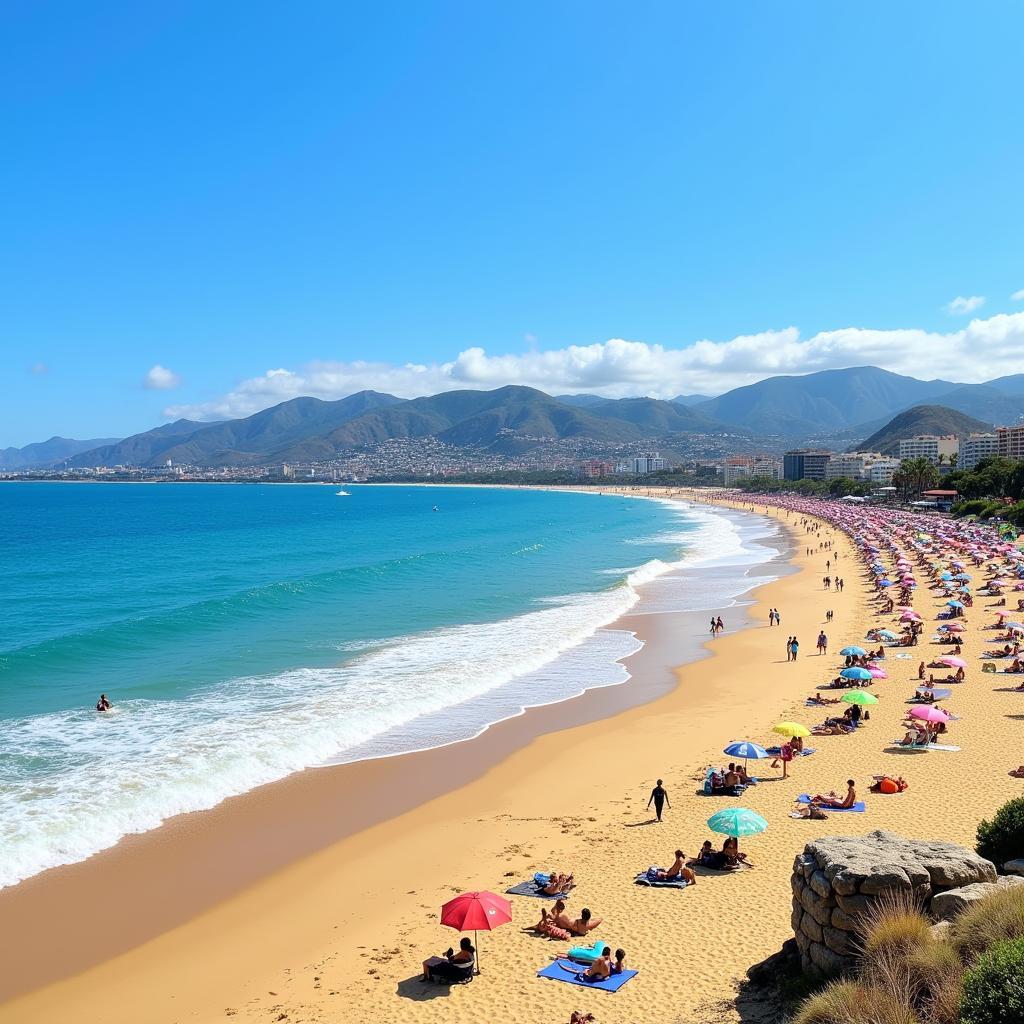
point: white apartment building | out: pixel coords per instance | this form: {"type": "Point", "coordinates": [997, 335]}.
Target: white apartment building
{"type": "Point", "coordinates": [976, 447]}
{"type": "Point", "coordinates": [930, 447]}
{"type": "Point", "coordinates": [883, 470]}
{"type": "Point", "coordinates": [871, 466]}
{"type": "Point", "coordinates": [651, 462]}
{"type": "Point", "coordinates": [740, 466]}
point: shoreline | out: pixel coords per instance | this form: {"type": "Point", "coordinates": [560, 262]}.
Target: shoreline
{"type": "Point", "coordinates": [229, 834]}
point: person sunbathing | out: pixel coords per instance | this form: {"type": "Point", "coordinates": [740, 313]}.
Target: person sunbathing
{"type": "Point", "coordinates": [558, 883]}
{"type": "Point", "coordinates": [554, 922]}
{"type": "Point", "coordinates": [836, 802]}
{"type": "Point", "coordinates": [709, 857]}
{"type": "Point", "coordinates": [584, 923]}
{"type": "Point", "coordinates": [832, 727]}
{"type": "Point", "coordinates": [1018, 773]}
{"type": "Point", "coordinates": [914, 738]}
{"type": "Point", "coordinates": [925, 697]}
{"type": "Point", "coordinates": [578, 1017]}
{"type": "Point", "coordinates": [887, 784]}
{"type": "Point", "coordinates": [620, 961]}
{"type": "Point", "coordinates": [816, 698]}
{"type": "Point", "coordinates": [678, 872]}
{"type": "Point", "coordinates": [1017, 666]}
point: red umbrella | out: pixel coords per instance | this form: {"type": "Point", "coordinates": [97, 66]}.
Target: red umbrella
{"type": "Point", "coordinates": [476, 911]}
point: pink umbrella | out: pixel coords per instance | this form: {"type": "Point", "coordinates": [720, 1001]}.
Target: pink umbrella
{"type": "Point", "coordinates": [910, 617]}
{"type": "Point", "coordinates": [953, 662]}
{"type": "Point", "coordinates": [878, 673]}
{"type": "Point", "coordinates": [929, 714]}
{"type": "Point", "coordinates": [954, 628]}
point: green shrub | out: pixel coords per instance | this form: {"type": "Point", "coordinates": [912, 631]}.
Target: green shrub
{"type": "Point", "coordinates": [1002, 838]}
{"type": "Point", "coordinates": [999, 916]}
{"type": "Point", "coordinates": [994, 987]}
{"type": "Point", "coordinates": [848, 1002]}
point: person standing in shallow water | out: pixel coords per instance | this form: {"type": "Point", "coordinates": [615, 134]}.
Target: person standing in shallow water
{"type": "Point", "coordinates": [659, 797]}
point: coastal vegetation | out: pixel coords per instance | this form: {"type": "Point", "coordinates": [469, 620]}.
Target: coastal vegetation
{"type": "Point", "coordinates": [912, 972]}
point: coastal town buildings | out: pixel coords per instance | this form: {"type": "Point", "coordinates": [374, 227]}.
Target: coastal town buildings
{"type": "Point", "coordinates": [805, 463]}
{"type": "Point", "coordinates": [741, 466]}
{"type": "Point", "coordinates": [975, 447]}
{"type": "Point", "coordinates": [938, 450]}
{"type": "Point", "coordinates": [1010, 442]}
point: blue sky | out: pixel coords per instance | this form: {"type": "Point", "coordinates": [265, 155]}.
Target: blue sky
{"type": "Point", "coordinates": [328, 192]}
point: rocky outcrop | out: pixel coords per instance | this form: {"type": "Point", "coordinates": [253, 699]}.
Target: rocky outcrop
{"type": "Point", "coordinates": [946, 906]}
{"type": "Point", "coordinates": [837, 880]}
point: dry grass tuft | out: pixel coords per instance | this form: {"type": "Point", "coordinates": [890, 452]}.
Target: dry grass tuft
{"type": "Point", "coordinates": [998, 916]}
{"type": "Point", "coordinates": [849, 1002]}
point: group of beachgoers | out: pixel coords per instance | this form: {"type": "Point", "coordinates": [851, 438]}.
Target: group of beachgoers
{"type": "Point", "coordinates": [899, 553]}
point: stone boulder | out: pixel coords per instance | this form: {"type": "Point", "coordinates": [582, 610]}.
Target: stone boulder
{"type": "Point", "coordinates": [837, 880]}
{"type": "Point", "coordinates": [1014, 867]}
{"type": "Point", "coordinates": [952, 903]}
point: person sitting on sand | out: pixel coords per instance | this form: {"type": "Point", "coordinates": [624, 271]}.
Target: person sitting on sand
{"type": "Point", "coordinates": [1018, 773]}
{"type": "Point", "coordinates": [600, 969]}
{"type": "Point", "coordinates": [915, 737]}
{"type": "Point", "coordinates": [554, 922]}
{"type": "Point", "coordinates": [452, 966]}
{"type": "Point", "coordinates": [584, 923]}
{"type": "Point", "coordinates": [926, 697]}
{"type": "Point", "coordinates": [709, 857]}
{"type": "Point", "coordinates": [731, 852]}
{"type": "Point", "coordinates": [741, 773]}
{"type": "Point", "coordinates": [920, 671]}
{"type": "Point", "coordinates": [678, 872]}
{"type": "Point", "coordinates": [620, 961]}
{"type": "Point", "coordinates": [836, 802]}
{"type": "Point", "coordinates": [578, 1017]}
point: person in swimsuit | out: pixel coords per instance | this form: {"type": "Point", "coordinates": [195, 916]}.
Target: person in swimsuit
{"type": "Point", "coordinates": [659, 797]}
{"type": "Point", "coordinates": [103, 704]}
{"type": "Point", "coordinates": [836, 802]}
{"type": "Point", "coordinates": [584, 923]}
{"type": "Point", "coordinates": [678, 870]}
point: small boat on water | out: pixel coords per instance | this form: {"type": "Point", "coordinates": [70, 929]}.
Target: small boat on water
{"type": "Point", "coordinates": [342, 493]}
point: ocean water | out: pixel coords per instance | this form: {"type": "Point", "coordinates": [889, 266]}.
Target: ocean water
{"type": "Point", "coordinates": [248, 632]}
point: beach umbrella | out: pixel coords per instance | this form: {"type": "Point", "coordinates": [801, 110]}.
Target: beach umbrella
{"type": "Point", "coordinates": [475, 912]}
{"type": "Point", "coordinates": [737, 822]}
{"type": "Point", "coordinates": [910, 617]}
{"type": "Point", "coordinates": [954, 628]}
{"type": "Point", "coordinates": [1014, 625]}
{"type": "Point", "coordinates": [878, 673]}
{"type": "Point", "coordinates": [929, 714]}
{"type": "Point", "coordinates": [888, 634]}
{"type": "Point", "coordinates": [855, 673]}
{"type": "Point", "coordinates": [953, 662]}
{"type": "Point", "coordinates": [858, 697]}
{"type": "Point", "coordinates": [791, 729]}
{"type": "Point", "coordinates": [745, 749]}
{"type": "Point", "coordinates": [853, 651]}
{"type": "Point", "coordinates": [885, 583]}
{"type": "Point", "coordinates": [955, 604]}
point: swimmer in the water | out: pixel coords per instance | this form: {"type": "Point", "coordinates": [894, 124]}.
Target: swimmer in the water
{"type": "Point", "coordinates": [103, 704]}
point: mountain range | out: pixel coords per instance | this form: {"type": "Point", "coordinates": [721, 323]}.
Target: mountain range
{"type": "Point", "coordinates": [833, 407]}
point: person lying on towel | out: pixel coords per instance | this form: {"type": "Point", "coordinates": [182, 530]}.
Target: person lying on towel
{"type": "Point", "coordinates": [836, 802]}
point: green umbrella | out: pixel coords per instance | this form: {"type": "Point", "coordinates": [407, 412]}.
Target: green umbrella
{"type": "Point", "coordinates": [736, 822]}
{"type": "Point", "coordinates": [859, 697]}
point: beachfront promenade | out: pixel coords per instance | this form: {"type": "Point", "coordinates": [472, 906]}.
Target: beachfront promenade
{"type": "Point", "coordinates": [341, 935]}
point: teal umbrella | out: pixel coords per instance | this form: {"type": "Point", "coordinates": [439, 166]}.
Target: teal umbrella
{"type": "Point", "coordinates": [736, 822]}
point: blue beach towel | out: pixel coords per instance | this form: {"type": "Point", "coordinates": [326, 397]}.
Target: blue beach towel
{"type": "Point", "coordinates": [531, 888]}
{"type": "Point", "coordinates": [805, 798]}
{"type": "Point", "coordinates": [565, 970]}
{"type": "Point", "coordinates": [676, 883]}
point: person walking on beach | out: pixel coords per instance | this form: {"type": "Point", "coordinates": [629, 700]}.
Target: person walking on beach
{"type": "Point", "coordinates": [789, 649]}
{"type": "Point", "coordinates": [822, 643]}
{"type": "Point", "coordinates": [714, 628]}
{"type": "Point", "coordinates": [719, 625]}
{"type": "Point", "coordinates": [659, 797]}
{"type": "Point", "coordinates": [795, 647]}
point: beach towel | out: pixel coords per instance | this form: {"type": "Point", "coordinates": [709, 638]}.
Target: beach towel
{"type": "Point", "coordinates": [565, 970]}
{"type": "Point", "coordinates": [940, 693]}
{"type": "Point", "coordinates": [531, 888]}
{"type": "Point", "coordinates": [776, 751]}
{"type": "Point", "coordinates": [676, 883]}
{"type": "Point", "coordinates": [805, 798]}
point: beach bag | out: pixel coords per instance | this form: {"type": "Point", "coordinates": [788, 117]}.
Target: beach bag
{"type": "Point", "coordinates": [887, 785]}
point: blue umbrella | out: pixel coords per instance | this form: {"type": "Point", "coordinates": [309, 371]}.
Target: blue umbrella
{"type": "Point", "coordinates": [855, 652]}
{"type": "Point", "coordinates": [962, 576]}
{"type": "Point", "coordinates": [855, 673]}
{"type": "Point", "coordinates": [885, 583]}
{"type": "Point", "coordinates": [954, 604]}
{"type": "Point", "coordinates": [887, 634]}
{"type": "Point", "coordinates": [946, 576]}
{"type": "Point", "coordinates": [745, 749]}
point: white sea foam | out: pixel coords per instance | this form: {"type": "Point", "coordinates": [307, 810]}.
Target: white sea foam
{"type": "Point", "coordinates": [155, 759]}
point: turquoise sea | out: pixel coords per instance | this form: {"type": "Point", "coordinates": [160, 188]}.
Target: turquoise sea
{"type": "Point", "coordinates": [247, 632]}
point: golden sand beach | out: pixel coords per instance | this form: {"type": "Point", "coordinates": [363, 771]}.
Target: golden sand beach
{"type": "Point", "coordinates": [338, 934]}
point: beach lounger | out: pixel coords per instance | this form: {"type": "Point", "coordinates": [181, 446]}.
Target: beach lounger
{"type": "Point", "coordinates": [675, 883]}
{"type": "Point", "coordinates": [805, 798]}
{"type": "Point", "coordinates": [566, 970]}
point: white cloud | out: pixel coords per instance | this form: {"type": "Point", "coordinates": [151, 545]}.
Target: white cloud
{"type": "Point", "coordinates": [1018, 295]}
{"type": "Point", "coordinates": [618, 368]}
{"type": "Point", "coordinates": [962, 305]}
{"type": "Point", "coordinates": [160, 378]}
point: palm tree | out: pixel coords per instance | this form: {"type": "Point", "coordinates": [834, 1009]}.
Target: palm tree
{"type": "Point", "coordinates": [915, 476]}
